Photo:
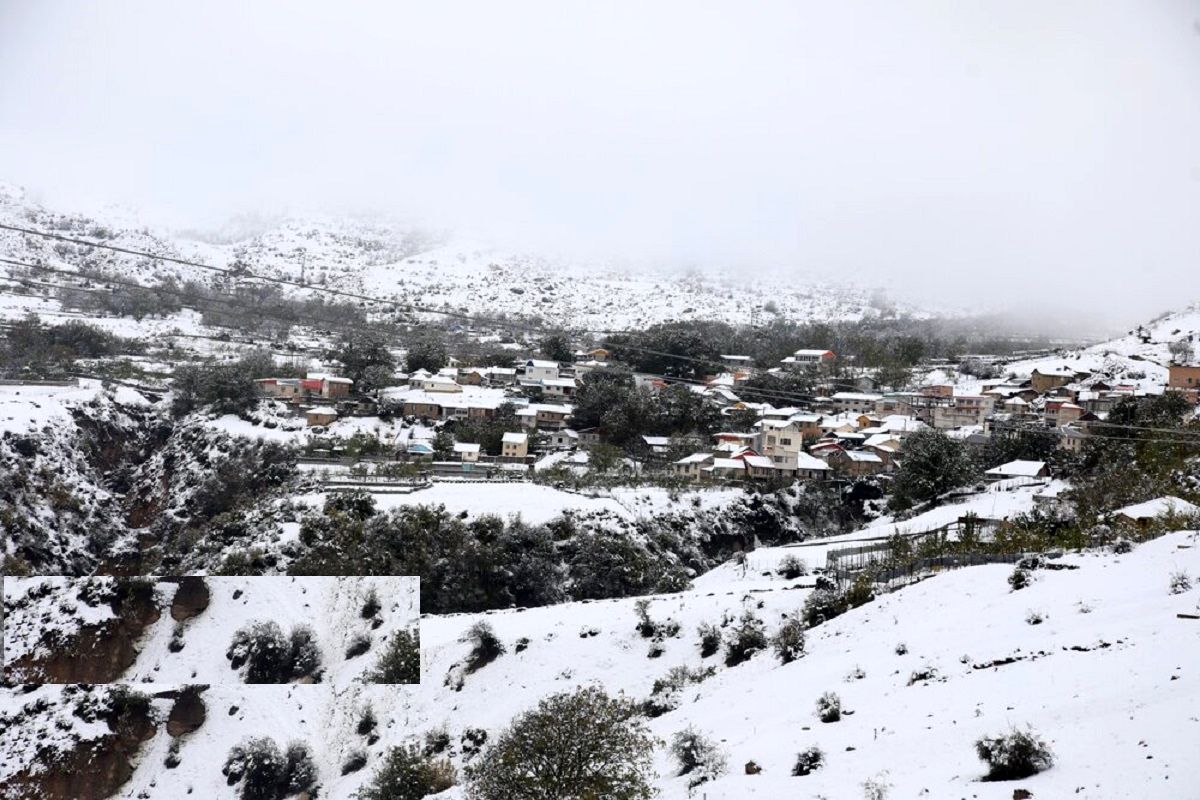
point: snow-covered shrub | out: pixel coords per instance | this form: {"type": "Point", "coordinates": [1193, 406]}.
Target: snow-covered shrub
{"type": "Point", "coordinates": [788, 641]}
{"type": "Point", "coordinates": [822, 605]}
{"type": "Point", "coordinates": [305, 655]}
{"type": "Point", "coordinates": [829, 707]}
{"type": "Point", "coordinates": [405, 774]}
{"type": "Point", "coordinates": [264, 651]}
{"type": "Point", "coordinates": [856, 674]}
{"type": "Point", "coordinates": [901, 649]}
{"type": "Point", "coordinates": [400, 661]}
{"type": "Point", "coordinates": [265, 773]}
{"type": "Point", "coordinates": [1016, 754]}
{"type": "Point", "coordinates": [366, 722]}
{"type": "Point", "coordinates": [744, 639]}
{"type": "Point", "coordinates": [876, 788]}
{"type": "Point", "coordinates": [648, 628]}
{"type": "Point", "coordinates": [861, 591]}
{"type": "Point", "coordinates": [925, 673]}
{"type": "Point", "coordinates": [699, 758]}
{"type": "Point", "coordinates": [437, 740]}
{"type": "Point", "coordinates": [808, 761]}
{"type": "Point", "coordinates": [792, 566]}
{"type": "Point", "coordinates": [1035, 618]}
{"type": "Point", "coordinates": [371, 605]}
{"type": "Point", "coordinates": [1180, 582]}
{"type": "Point", "coordinates": [666, 692]}
{"type": "Point", "coordinates": [1031, 563]}
{"type": "Point", "coordinates": [572, 745]}
{"type": "Point", "coordinates": [710, 639]}
{"type": "Point", "coordinates": [1122, 545]}
{"type": "Point", "coordinates": [1019, 579]}
{"type": "Point", "coordinates": [486, 647]}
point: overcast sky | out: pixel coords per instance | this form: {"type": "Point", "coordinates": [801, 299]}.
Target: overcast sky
{"type": "Point", "coordinates": [1007, 150]}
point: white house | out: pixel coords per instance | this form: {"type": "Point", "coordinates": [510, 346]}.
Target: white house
{"type": "Point", "coordinates": [1017, 469]}
{"type": "Point", "coordinates": [514, 446]}
{"type": "Point", "coordinates": [466, 451]}
{"type": "Point", "coordinates": [537, 370]}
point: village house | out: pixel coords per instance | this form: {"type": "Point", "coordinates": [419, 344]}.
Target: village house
{"type": "Point", "coordinates": [538, 370]}
{"type": "Point", "coordinates": [1071, 438]}
{"type": "Point", "coordinates": [563, 439]}
{"type": "Point", "coordinates": [559, 388]}
{"type": "Point", "coordinates": [855, 402]}
{"type": "Point", "coordinates": [1184, 378]}
{"type": "Point", "coordinates": [963, 410]}
{"type": "Point", "coordinates": [690, 466]}
{"type": "Point", "coordinates": [811, 468]}
{"type": "Point", "coordinates": [1141, 515]}
{"type": "Point", "coordinates": [320, 415]}
{"type": "Point", "coordinates": [514, 446]}
{"type": "Point", "coordinates": [1017, 469]}
{"type": "Point", "coordinates": [1061, 412]}
{"type": "Point", "coordinates": [856, 463]}
{"type": "Point", "coordinates": [467, 452]}
{"type": "Point", "coordinates": [296, 390]}
{"type": "Point", "coordinates": [545, 416]}
{"type": "Point", "coordinates": [808, 358]}
{"type": "Point", "coordinates": [782, 440]}
{"type": "Point", "coordinates": [725, 468]}
{"type": "Point", "coordinates": [1042, 381]}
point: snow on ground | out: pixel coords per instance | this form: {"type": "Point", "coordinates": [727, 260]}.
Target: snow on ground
{"type": "Point", "coordinates": [330, 606]}
{"type": "Point", "coordinates": [536, 503]}
{"type": "Point", "coordinates": [25, 408]}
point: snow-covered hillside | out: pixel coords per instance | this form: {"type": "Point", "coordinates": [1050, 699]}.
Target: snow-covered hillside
{"type": "Point", "coordinates": [393, 262]}
{"type": "Point", "coordinates": [186, 636]}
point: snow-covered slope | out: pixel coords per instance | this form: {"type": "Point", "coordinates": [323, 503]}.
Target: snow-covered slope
{"type": "Point", "coordinates": [391, 261]}
{"type": "Point", "coordinates": [187, 640]}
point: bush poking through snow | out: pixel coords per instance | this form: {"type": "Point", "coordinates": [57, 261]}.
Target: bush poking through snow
{"type": "Point", "coordinates": [699, 758]}
{"type": "Point", "coordinates": [1180, 582]}
{"type": "Point", "coordinates": [744, 639]}
{"type": "Point", "coordinates": [1035, 618]}
{"type": "Point", "coordinates": [829, 707]}
{"type": "Point", "coordinates": [400, 661]}
{"type": "Point", "coordinates": [821, 606]}
{"type": "Point", "coordinates": [486, 647]}
{"type": "Point", "coordinates": [371, 605]}
{"type": "Point", "coordinates": [876, 788]}
{"type": "Point", "coordinates": [1019, 579]}
{"type": "Point", "coordinates": [710, 639]}
{"type": "Point", "coordinates": [1017, 754]}
{"type": "Point", "coordinates": [861, 592]}
{"type": "Point", "coordinates": [808, 761]}
{"type": "Point", "coordinates": [366, 722]}
{"type": "Point", "coordinates": [792, 567]}
{"type": "Point", "coordinates": [666, 693]}
{"type": "Point", "coordinates": [269, 657]}
{"type": "Point", "coordinates": [573, 745]}
{"type": "Point", "coordinates": [788, 641]}
{"type": "Point", "coordinates": [901, 649]}
{"type": "Point", "coordinates": [1122, 546]}
{"type": "Point", "coordinates": [925, 673]}
{"type": "Point", "coordinates": [267, 774]}
{"type": "Point", "coordinates": [405, 774]}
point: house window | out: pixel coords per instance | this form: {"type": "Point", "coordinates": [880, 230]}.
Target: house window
{"type": "Point", "coordinates": [785, 441]}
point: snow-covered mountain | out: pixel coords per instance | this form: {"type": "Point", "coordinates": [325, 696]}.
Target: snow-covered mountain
{"type": "Point", "coordinates": [396, 262]}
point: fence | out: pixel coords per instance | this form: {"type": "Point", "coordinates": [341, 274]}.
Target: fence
{"type": "Point", "coordinates": [908, 557]}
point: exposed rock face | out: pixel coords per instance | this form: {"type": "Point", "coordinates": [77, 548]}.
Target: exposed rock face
{"type": "Point", "coordinates": [191, 598]}
{"type": "Point", "coordinates": [97, 653]}
{"type": "Point", "coordinates": [187, 713]}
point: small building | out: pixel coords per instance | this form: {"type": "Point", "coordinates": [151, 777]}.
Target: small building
{"type": "Point", "coordinates": [320, 415]}
{"type": "Point", "coordinates": [538, 370]}
{"type": "Point", "coordinates": [1184, 378]}
{"type": "Point", "coordinates": [855, 402]}
{"type": "Point", "coordinates": [1042, 381]}
{"type": "Point", "coordinates": [856, 462]}
{"type": "Point", "coordinates": [1142, 514]}
{"type": "Point", "coordinates": [808, 357]}
{"type": "Point", "coordinates": [811, 468]}
{"type": "Point", "coordinates": [514, 446]}
{"type": "Point", "coordinates": [563, 439]}
{"type": "Point", "coordinates": [466, 451]}
{"type": "Point", "coordinates": [1017, 469]}
{"type": "Point", "coordinates": [690, 466]}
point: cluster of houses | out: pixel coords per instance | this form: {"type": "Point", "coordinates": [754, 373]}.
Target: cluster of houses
{"type": "Point", "coordinates": [844, 433]}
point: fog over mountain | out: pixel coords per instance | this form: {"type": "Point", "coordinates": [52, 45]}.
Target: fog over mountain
{"type": "Point", "coordinates": [1029, 155]}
